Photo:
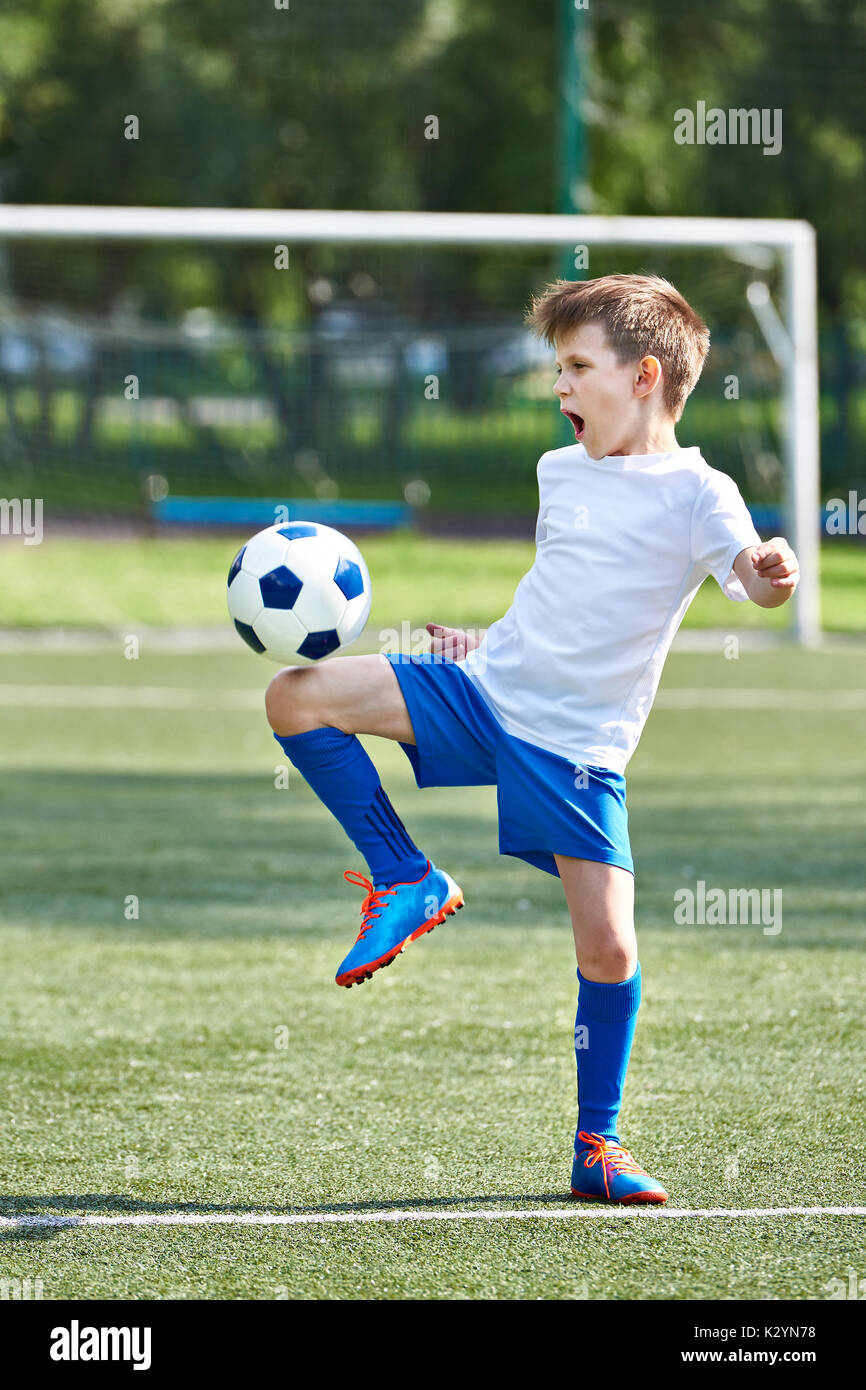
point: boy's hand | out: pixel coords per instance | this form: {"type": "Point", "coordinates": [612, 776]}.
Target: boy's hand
{"type": "Point", "coordinates": [452, 643]}
{"type": "Point", "coordinates": [776, 561]}
{"type": "Point", "coordinates": [770, 573]}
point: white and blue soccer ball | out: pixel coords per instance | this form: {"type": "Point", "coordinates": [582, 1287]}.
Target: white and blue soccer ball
{"type": "Point", "coordinates": [299, 591]}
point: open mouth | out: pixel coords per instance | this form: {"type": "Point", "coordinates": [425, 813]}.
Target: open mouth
{"type": "Point", "coordinates": [577, 421]}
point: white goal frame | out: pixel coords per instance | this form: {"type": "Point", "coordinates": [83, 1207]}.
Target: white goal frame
{"type": "Point", "coordinates": [793, 241]}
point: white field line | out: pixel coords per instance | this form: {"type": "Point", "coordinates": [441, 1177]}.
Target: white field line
{"type": "Point", "coordinates": [786, 699]}
{"type": "Point", "coordinates": [129, 697]}
{"type": "Point", "coordinates": [361, 1218]}
{"type": "Point", "coordinates": [159, 697]}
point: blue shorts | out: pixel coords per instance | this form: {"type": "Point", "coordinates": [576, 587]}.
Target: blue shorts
{"type": "Point", "coordinates": [546, 804]}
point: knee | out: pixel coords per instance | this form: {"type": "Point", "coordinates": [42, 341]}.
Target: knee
{"type": "Point", "coordinates": [608, 962]}
{"type": "Point", "coordinates": [286, 704]}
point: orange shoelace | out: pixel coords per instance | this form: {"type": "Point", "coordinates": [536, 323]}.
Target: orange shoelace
{"type": "Point", "coordinates": [371, 901]}
{"type": "Point", "coordinates": [610, 1154]}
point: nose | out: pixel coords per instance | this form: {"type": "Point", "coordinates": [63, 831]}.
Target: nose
{"type": "Point", "coordinates": [558, 388]}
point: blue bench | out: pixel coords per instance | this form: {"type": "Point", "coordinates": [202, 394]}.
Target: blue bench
{"type": "Point", "coordinates": [254, 513]}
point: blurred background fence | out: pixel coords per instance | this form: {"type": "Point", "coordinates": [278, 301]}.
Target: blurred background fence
{"type": "Point", "coordinates": [411, 378]}
{"type": "Point", "coordinates": [311, 381]}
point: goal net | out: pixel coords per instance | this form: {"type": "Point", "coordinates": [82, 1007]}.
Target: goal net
{"type": "Point", "coordinates": [203, 365]}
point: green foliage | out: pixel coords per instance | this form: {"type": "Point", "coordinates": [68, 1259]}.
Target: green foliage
{"type": "Point", "coordinates": [324, 105]}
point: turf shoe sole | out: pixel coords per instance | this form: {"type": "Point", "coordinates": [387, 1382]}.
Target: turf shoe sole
{"type": "Point", "coordinates": [394, 917]}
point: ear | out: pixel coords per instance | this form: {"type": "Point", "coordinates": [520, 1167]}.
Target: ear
{"type": "Point", "coordinates": [649, 375]}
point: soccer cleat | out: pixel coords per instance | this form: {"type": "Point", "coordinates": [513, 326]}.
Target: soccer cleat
{"type": "Point", "coordinates": [604, 1171]}
{"type": "Point", "coordinates": [392, 917]}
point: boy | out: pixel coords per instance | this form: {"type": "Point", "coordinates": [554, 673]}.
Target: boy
{"type": "Point", "coordinates": [550, 705]}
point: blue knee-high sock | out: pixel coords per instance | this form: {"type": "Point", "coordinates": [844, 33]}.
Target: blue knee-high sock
{"type": "Point", "coordinates": [343, 777]}
{"type": "Point", "coordinates": [603, 1032]}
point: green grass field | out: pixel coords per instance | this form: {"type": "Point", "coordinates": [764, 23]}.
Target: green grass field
{"type": "Point", "coordinates": [416, 578]}
{"type": "Point", "coordinates": [199, 1059]}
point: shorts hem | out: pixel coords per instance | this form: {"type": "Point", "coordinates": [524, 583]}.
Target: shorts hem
{"type": "Point", "coordinates": [544, 858]}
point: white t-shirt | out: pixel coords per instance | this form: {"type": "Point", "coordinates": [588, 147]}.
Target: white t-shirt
{"type": "Point", "coordinates": [623, 544]}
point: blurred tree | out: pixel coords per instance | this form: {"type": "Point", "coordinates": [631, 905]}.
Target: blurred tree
{"type": "Point", "coordinates": [326, 104]}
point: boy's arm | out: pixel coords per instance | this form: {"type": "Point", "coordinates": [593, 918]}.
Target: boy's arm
{"type": "Point", "coordinates": [769, 572]}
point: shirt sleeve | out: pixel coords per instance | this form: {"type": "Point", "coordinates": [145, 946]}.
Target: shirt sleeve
{"type": "Point", "coordinates": [721, 528]}
{"type": "Point", "coordinates": [541, 521]}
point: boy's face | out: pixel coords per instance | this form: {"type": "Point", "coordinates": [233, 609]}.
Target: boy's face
{"type": "Point", "coordinates": [596, 391]}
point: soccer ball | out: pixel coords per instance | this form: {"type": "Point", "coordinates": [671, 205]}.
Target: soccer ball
{"type": "Point", "coordinates": [299, 591]}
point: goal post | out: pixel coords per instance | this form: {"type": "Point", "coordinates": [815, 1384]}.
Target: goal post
{"type": "Point", "coordinates": [793, 242]}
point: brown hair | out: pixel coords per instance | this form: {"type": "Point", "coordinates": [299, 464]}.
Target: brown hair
{"type": "Point", "coordinates": [641, 314]}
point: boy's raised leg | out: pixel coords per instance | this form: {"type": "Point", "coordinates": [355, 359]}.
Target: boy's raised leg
{"type": "Point", "coordinates": [316, 714]}
{"type": "Point", "coordinates": [600, 898]}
